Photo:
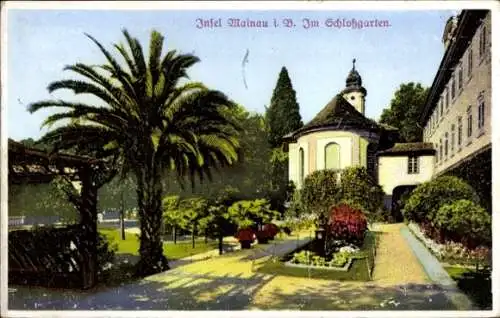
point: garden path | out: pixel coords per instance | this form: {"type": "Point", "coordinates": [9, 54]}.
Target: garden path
{"type": "Point", "coordinates": [395, 262]}
{"type": "Point", "coordinates": [228, 282]}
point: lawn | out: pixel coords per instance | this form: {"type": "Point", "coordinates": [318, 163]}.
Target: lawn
{"type": "Point", "coordinates": [476, 284]}
{"type": "Point", "coordinates": [360, 269]}
{"type": "Point", "coordinates": [172, 251]}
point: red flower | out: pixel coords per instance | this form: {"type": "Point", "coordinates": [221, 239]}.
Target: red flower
{"type": "Point", "coordinates": [245, 235]}
{"type": "Point", "coordinates": [347, 223]}
{"type": "Point", "coordinates": [272, 229]}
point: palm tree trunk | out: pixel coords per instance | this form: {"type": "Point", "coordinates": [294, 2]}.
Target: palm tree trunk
{"type": "Point", "coordinates": [122, 217]}
{"type": "Point", "coordinates": [149, 192]}
{"type": "Point", "coordinates": [221, 237]}
{"type": "Point", "coordinates": [192, 234]}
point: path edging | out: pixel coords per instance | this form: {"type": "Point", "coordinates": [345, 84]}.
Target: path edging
{"type": "Point", "coordinates": [436, 272]}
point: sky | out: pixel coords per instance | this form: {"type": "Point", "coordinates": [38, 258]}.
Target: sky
{"type": "Point", "coordinates": [41, 42]}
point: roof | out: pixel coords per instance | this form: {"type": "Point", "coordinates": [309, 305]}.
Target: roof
{"type": "Point", "coordinates": [37, 166]}
{"type": "Point", "coordinates": [17, 148]}
{"type": "Point", "coordinates": [468, 22]}
{"type": "Point", "coordinates": [387, 127]}
{"type": "Point", "coordinates": [338, 114]}
{"type": "Point", "coordinates": [401, 149]}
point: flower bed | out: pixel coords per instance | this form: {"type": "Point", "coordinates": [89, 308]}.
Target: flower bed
{"type": "Point", "coordinates": [452, 252]}
{"type": "Point", "coordinates": [345, 264]}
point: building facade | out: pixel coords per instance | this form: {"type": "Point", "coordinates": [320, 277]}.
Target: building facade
{"type": "Point", "coordinates": [455, 121]}
{"type": "Point", "coordinates": [457, 114]}
{"type": "Point", "coordinates": [340, 136]}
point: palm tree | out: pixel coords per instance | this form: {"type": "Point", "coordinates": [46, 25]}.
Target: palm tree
{"type": "Point", "coordinates": [148, 123]}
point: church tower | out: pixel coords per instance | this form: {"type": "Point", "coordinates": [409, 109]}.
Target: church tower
{"type": "Point", "coordinates": [354, 92]}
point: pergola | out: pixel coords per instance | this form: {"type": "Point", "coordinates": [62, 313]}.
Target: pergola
{"type": "Point", "coordinates": [34, 166]}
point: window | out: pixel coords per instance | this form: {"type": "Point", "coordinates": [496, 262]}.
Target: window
{"type": "Point", "coordinates": [482, 42]}
{"type": "Point", "coordinates": [371, 159]}
{"type": "Point", "coordinates": [460, 78]}
{"type": "Point", "coordinates": [469, 122]}
{"type": "Point", "coordinates": [446, 145]}
{"type": "Point", "coordinates": [459, 137]}
{"type": "Point", "coordinates": [301, 165]}
{"type": "Point", "coordinates": [441, 105]}
{"type": "Point", "coordinates": [452, 88]}
{"type": "Point", "coordinates": [480, 112]}
{"type": "Point", "coordinates": [412, 165]}
{"type": "Point", "coordinates": [452, 144]}
{"type": "Point", "coordinates": [470, 63]}
{"type": "Point", "coordinates": [440, 149]}
{"type": "Point", "coordinates": [446, 98]}
{"type": "Point", "coordinates": [332, 156]}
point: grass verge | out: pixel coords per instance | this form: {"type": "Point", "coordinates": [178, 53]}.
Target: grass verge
{"type": "Point", "coordinates": [360, 270]}
{"type": "Point", "coordinates": [476, 284]}
{"type": "Point", "coordinates": [172, 251]}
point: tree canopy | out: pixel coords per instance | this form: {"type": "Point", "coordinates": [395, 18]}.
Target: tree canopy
{"type": "Point", "coordinates": [283, 113]}
{"type": "Point", "coordinates": [148, 121]}
{"type": "Point", "coordinates": [404, 111]}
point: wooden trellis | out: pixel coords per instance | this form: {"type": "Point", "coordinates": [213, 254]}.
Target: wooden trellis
{"type": "Point", "coordinates": [78, 248]}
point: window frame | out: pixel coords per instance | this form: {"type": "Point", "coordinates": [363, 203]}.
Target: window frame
{"type": "Point", "coordinates": [301, 165]}
{"type": "Point", "coordinates": [413, 164]}
{"type": "Point", "coordinates": [480, 112]}
{"type": "Point", "coordinates": [338, 154]}
{"type": "Point", "coordinates": [460, 81]}
{"type": "Point", "coordinates": [470, 62]}
{"type": "Point", "coordinates": [459, 132]}
{"type": "Point", "coordinates": [482, 42]}
{"type": "Point", "coordinates": [453, 91]}
{"type": "Point", "coordinates": [469, 122]}
{"type": "Point", "coordinates": [452, 139]}
{"type": "Point", "coordinates": [446, 145]}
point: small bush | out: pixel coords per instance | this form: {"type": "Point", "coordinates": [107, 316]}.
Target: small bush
{"type": "Point", "coordinates": [465, 222]}
{"type": "Point", "coordinates": [339, 259]}
{"type": "Point", "coordinates": [272, 229]}
{"type": "Point", "coordinates": [245, 235]}
{"type": "Point", "coordinates": [306, 257]}
{"type": "Point", "coordinates": [428, 197]}
{"type": "Point", "coordinates": [106, 250]}
{"type": "Point", "coordinates": [287, 230]}
{"type": "Point", "coordinates": [302, 257]}
{"type": "Point", "coordinates": [359, 189]}
{"type": "Point", "coordinates": [347, 224]}
{"type": "Point", "coordinates": [320, 192]}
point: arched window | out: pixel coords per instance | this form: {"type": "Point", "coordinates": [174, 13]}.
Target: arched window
{"type": "Point", "coordinates": [371, 159]}
{"type": "Point", "coordinates": [332, 156]}
{"type": "Point", "coordinates": [301, 165]}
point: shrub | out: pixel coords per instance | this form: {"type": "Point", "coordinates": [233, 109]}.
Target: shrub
{"type": "Point", "coordinates": [360, 189]}
{"type": "Point", "coordinates": [320, 192]}
{"type": "Point", "coordinates": [428, 197]}
{"type": "Point", "coordinates": [302, 257]}
{"type": "Point", "coordinates": [245, 235]}
{"type": "Point", "coordinates": [347, 224]}
{"type": "Point", "coordinates": [339, 259]}
{"type": "Point", "coordinates": [272, 229]}
{"type": "Point", "coordinates": [106, 250]}
{"type": "Point", "coordinates": [287, 230]}
{"type": "Point", "coordinates": [263, 236]}
{"type": "Point", "coordinates": [296, 207]}
{"type": "Point", "coordinates": [465, 222]}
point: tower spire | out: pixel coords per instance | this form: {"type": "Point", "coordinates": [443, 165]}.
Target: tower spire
{"type": "Point", "coordinates": [353, 64]}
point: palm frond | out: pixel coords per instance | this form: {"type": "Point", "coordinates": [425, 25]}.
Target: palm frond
{"type": "Point", "coordinates": [138, 55]}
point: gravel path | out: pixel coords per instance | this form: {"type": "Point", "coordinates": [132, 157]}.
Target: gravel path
{"type": "Point", "coordinates": [395, 262]}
